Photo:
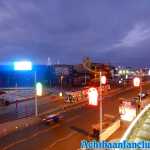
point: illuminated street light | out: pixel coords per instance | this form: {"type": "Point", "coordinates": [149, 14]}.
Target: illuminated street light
{"type": "Point", "coordinates": [60, 94]}
{"type": "Point", "coordinates": [103, 80]}
{"type": "Point", "coordinates": [136, 82]}
{"type": "Point", "coordinates": [149, 72]}
{"type": "Point", "coordinates": [39, 89]}
{"type": "Point", "coordinates": [93, 96]}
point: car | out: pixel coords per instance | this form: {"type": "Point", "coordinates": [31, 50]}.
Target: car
{"type": "Point", "coordinates": [70, 99]}
{"type": "Point", "coordinates": [52, 118]}
{"type": "Point", "coordinates": [4, 102]}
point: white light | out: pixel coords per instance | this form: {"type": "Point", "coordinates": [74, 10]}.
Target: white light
{"type": "Point", "coordinates": [128, 113]}
{"type": "Point", "coordinates": [103, 79]}
{"type": "Point", "coordinates": [120, 81]}
{"type": "Point", "coordinates": [39, 89]}
{"type": "Point", "coordinates": [92, 95]}
{"type": "Point", "coordinates": [22, 65]}
{"type": "Point", "coordinates": [136, 82]}
{"type": "Point", "coordinates": [149, 72]}
{"type": "Point", "coordinates": [60, 94]}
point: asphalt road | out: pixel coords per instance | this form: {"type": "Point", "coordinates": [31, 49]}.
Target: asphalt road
{"type": "Point", "coordinates": [27, 108]}
{"type": "Point", "coordinates": [67, 134]}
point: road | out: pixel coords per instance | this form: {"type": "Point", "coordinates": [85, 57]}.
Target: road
{"type": "Point", "coordinates": [67, 134]}
{"type": "Point", "coordinates": [27, 108]}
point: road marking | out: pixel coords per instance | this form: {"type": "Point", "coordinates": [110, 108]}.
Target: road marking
{"type": "Point", "coordinates": [109, 116]}
{"type": "Point", "coordinates": [60, 140]}
{"type": "Point", "coordinates": [29, 138]}
{"type": "Point", "coordinates": [36, 134]}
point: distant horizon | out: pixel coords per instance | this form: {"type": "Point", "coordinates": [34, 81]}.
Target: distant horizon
{"type": "Point", "coordinates": [113, 64]}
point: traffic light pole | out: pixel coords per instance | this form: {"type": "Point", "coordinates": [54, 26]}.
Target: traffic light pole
{"type": "Point", "coordinates": [100, 109]}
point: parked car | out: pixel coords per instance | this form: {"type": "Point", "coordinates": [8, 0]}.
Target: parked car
{"type": "Point", "coordinates": [52, 118]}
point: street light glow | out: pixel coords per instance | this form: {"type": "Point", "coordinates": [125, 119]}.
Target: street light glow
{"type": "Point", "coordinates": [136, 82]}
{"type": "Point", "coordinates": [39, 89]}
{"type": "Point", "coordinates": [103, 79]}
{"type": "Point", "coordinates": [93, 96]}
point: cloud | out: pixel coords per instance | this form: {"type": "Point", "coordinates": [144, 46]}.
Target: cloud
{"type": "Point", "coordinates": [68, 30]}
{"type": "Point", "coordinates": [135, 36]}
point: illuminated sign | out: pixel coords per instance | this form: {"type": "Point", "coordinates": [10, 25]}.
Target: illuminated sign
{"type": "Point", "coordinates": [136, 82]}
{"type": "Point", "coordinates": [22, 65]}
{"type": "Point", "coordinates": [103, 79]}
{"type": "Point", "coordinates": [127, 111]}
{"type": "Point", "coordinates": [93, 96]}
{"type": "Point", "coordinates": [39, 89]}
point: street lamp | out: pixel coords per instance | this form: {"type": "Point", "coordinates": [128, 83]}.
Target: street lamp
{"type": "Point", "coordinates": [137, 83]}
{"type": "Point", "coordinates": [92, 95]}
{"type": "Point", "coordinates": [61, 80]}
{"type": "Point", "coordinates": [102, 81]}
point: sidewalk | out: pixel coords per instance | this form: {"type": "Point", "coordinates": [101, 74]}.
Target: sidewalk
{"type": "Point", "coordinates": [119, 133]}
{"type": "Point", "coordinates": [14, 126]}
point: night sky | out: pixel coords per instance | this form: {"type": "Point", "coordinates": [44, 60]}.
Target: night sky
{"type": "Point", "coordinates": [114, 31]}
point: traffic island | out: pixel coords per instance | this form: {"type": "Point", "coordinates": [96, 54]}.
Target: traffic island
{"type": "Point", "coordinates": [109, 127]}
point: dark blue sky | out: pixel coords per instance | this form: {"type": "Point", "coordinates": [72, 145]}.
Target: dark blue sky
{"type": "Point", "coordinates": [67, 30]}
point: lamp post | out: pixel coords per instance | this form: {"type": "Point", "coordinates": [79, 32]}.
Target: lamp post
{"type": "Point", "coordinates": [102, 81]}
{"type": "Point", "coordinates": [61, 80]}
{"type": "Point", "coordinates": [93, 96]}
{"type": "Point", "coordinates": [137, 83]}
{"type": "Point", "coordinates": [39, 92]}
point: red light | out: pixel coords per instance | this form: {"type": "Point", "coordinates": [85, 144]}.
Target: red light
{"type": "Point", "coordinates": [93, 96]}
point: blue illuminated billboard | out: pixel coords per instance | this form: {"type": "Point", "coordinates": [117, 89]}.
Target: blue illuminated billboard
{"type": "Point", "coordinates": [22, 65]}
